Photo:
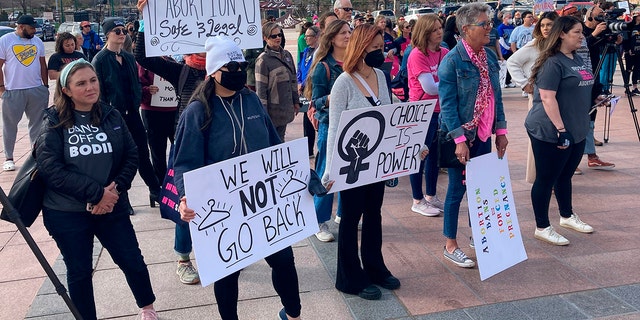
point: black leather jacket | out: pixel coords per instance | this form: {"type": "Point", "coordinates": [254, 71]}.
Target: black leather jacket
{"type": "Point", "coordinates": [53, 169]}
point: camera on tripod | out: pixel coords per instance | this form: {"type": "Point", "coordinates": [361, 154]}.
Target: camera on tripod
{"type": "Point", "coordinates": [614, 26]}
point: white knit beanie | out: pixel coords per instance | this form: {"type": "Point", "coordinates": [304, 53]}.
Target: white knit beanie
{"type": "Point", "coordinates": [220, 51]}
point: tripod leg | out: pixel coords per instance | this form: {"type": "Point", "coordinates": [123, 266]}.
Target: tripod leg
{"type": "Point", "coordinates": [60, 289]}
{"type": "Point", "coordinates": [627, 91]}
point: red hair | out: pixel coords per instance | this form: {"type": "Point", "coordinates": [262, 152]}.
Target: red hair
{"type": "Point", "coordinates": [360, 39]}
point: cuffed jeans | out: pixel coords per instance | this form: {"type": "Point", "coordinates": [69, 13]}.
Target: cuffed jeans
{"type": "Point", "coordinates": [324, 204]}
{"type": "Point", "coordinates": [285, 281]}
{"type": "Point", "coordinates": [74, 233]}
{"type": "Point", "coordinates": [555, 168]}
{"type": "Point", "coordinates": [429, 166]}
{"type": "Point", "coordinates": [366, 202]}
{"type": "Point", "coordinates": [182, 241]}
{"type": "Point", "coordinates": [457, 189]}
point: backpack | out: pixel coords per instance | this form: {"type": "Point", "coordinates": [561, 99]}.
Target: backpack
{"type": "Point", "coordinates": [311, 113]}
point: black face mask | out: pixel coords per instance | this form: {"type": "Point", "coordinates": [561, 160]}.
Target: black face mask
{"type": "Point", "coordinates": [374, 58]}
{"type": "Point", "coordinates": [233, 81]}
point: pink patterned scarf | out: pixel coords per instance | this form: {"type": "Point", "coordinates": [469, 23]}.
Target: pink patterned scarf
{"type": "Point", "coordinates": [484, 89]}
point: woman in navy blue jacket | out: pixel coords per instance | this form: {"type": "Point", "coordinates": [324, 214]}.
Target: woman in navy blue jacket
{"type": "Point", "coordinates": [225, 120]}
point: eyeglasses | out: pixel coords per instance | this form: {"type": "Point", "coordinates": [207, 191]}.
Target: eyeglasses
{"type": "Point", "coordinates": [273, 36]}
{"type": "Point", "coordinates": [235, 66]}
{"type": "Point", "coordinates": [87, 26]}
{"type": "Point", "coordinates": [483, 24]}
{"type": "Point", "coordinates": [310, 35]}
{"type": "Point", "coordinates": [347, 9]}
{"type": "Point", "coordinates": [119, 31]}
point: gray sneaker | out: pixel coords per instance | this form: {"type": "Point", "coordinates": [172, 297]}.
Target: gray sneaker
{"type": "Point", "coordinates": [459, 258]}
{"type": "Point", "coordinates": [435, 202]}
{"type": "Point", "coordinates": [187, 273]}
{"type": "Point", "coordinates": [425, 209]}
{"type": "Point", "coordinates": [324, 234]}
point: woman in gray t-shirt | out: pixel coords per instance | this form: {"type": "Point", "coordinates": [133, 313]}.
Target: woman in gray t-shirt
{"type": "Point", "coordinates": [557, 125]}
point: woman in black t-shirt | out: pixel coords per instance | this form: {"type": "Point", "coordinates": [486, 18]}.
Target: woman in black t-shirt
{"type": "Point", "coordinates": [65, 53]}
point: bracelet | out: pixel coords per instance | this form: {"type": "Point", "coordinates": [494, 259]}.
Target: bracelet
{"type": "Point", "coordinates": [560, 129]}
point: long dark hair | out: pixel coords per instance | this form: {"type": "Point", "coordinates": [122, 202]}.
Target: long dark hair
{"type": "Point", "coordinates": [551, 45]}
{"type": "Point", "coordinates": [65, 106]}
{"type": "Point", "coordinates": [325, 48]}
{"type": "Point", "coordinates": [203, 92]}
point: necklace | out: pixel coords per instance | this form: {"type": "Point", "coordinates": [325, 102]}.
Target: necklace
{"type": "Point", "coordinates": [368, 75]}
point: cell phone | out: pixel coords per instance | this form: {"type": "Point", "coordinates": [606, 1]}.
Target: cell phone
{"type": "Point", "coordinates": [89, 207]}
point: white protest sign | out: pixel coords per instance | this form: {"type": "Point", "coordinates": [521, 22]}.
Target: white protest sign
{"type": "Point", "coordinates": [179, 27]}
{"type": "Point", "coordinates": [379, 143]}
{"type": "Point", "coordinates": [492, 209]}
{"type": "Point", "coordinates": [249, 207]}
{"type": "Point", "coordinates": [166, 95]}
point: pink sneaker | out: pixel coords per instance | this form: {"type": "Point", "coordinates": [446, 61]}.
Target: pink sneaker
{"type": "Point", "coordinates": [148, 314]}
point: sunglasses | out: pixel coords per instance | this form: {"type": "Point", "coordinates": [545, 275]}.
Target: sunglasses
{"type": "Point", "coordinates": [131, 29]}
{"type": "Point", "coordinates": [273, 36]}
{"type": "Point", "coordinates": [347, 9]}
{"type": "Point", "coordinates": [87, 26]}
{"type": "Point", "coordinates": [484, 24]}
{"type": "Point", "coordinates": [310, 35]}
{"type": "Point", "coordinates": [235, 66]}
{"type": "Point", "coordinates": [119, 31]}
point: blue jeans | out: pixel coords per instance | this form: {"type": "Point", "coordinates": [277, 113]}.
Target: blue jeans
{"type": "Point", "coordinates": [457, 188]}
{"type": "Point", "coordinates": [182, 242]}
{"type": "Point", "coordinates": [590, 146]}
{"type": "Point", "coordinates": [430, 164]}
{"type": "Point", "coordinates": [74, 232]}
{"type": "Point", "coordinates": [324, 204]}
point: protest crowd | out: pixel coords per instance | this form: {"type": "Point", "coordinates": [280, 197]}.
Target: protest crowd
{"type": "Point", "coordinates": [230, 102]}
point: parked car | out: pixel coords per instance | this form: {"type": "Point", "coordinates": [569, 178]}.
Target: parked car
{"type": "Point", "coordinates": [414, 14]}
{"type": "Point", "coordinates": [387, 13]}
{"type": "Point", "coordinates": [73, 27]}
{"type": "Point", "coordinates": [48, 31]}
{"type": "Point", "coordinates": [5, 30]}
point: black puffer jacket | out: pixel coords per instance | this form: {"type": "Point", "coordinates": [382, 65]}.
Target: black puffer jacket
{"type": "Point", "coordinates": [53, 169]}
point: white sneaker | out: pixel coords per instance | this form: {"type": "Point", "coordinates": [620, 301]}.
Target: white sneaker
{"type": "Point", "coordinates": [9, 165]}
{"type": "Point", "coordinates": [524, 94]}
{"type": "Point", "coordinates": [576, 224]}
{"type": "Point", "coordinates": [324, 234]}
{"type": "Point", "coordinates": [435, 202]}
{"type": "Point", "coordinates": [551, 236]}
{"type": "Point", "coordinates": [337, 219]}
{"type": "Point", "coordinates": [187, 273]}
{"type": "Point", "coordinates": [425, 209]}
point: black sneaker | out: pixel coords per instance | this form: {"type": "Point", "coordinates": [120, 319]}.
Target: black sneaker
{"type": "Point", "coordinates": [370, 293]}
{"type": "Point", "coordinates": [389, 283]}
{"type": "Point", "coordinates": [636, 92]}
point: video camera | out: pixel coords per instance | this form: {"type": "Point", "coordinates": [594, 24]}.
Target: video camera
{"type": "Point", "coordinates": [614, 26]}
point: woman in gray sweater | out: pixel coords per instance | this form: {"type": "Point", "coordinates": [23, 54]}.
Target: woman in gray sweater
{"type": "Point", "coordinates": [363, 56]}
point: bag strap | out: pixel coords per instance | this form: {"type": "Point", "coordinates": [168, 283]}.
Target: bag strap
{"type": "Point", "coordinates": [366, 87]}
{"type": "Point", "coordinates": [326, 68]}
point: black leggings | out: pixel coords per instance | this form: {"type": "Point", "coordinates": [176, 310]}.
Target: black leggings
{"type": "Point", "coordinates": [554, 170]}
{"type": "Point", "coordinates": [285, 282]}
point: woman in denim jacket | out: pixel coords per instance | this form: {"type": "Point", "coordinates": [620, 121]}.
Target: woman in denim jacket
{"type": "Point", "coordinates": [471, 110]}
{"type": "Point", "coordinates": [330, 52]}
